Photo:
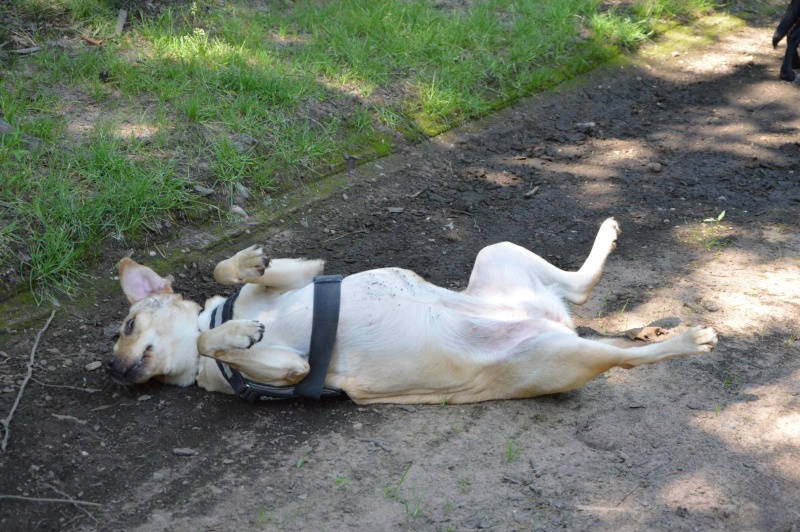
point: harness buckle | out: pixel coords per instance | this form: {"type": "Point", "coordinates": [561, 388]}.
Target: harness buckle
{"type": "Point", "coordinates": [249, 394]}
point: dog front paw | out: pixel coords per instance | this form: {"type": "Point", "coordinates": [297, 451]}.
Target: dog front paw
{"type": "Point", "coordinates": [244, 334]}
{"type": "Point", "coordinates": [250, 263]}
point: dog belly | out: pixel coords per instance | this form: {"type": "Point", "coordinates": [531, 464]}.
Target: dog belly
{"type": "Point", "coordinates": [402, 338]}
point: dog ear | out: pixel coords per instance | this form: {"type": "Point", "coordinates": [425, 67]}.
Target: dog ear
{"type": "Point", "coordinates": [139, 281]}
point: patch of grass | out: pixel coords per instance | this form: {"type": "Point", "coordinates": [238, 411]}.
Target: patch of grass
{"type": "Point", "coordinates": [709, 234]}
{"type": "Point", "coordinates": [302, 459]}
{"type": "Point", "coordinates": [235, 95]}
{"type": "Point", "coordinates": [712, 236]}
{"type": "Point", "coordinates": [390, 491]}
{"type": "Point", "coordinates": [512, 450]}
{"type": "Point", "coordinates": [730, 379]}
{"type": "Point", "coordinates": [793, 336]}
{"type": "Point", "coordinates": [413, 506]}
{"type": "Point", "coordinates": [448, 507]}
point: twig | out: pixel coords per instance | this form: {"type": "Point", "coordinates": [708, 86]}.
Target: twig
{"type": "Point", "coordinates": [346, 235]}
{"type": "Point", "coordinates": [88, 390]}
{"type": "Point", "coordinates": [92, 40]}
{"type": "Point", "coordinates": [7, 421]}
{"type": "Point", "coordinates": [64, 417]}
{"type": "Point", "coordinates": [629, 494]}
{"type": "Point", "coordinates": [84, 510]}
{"type": "Point", "coordinates": [47, 499]}
{"type": "Point", "coordinates": [376, 442]}
{"type": "Point", "coordinates": [417, 193]}
{"type": "Point", "coordinates": [31, 50]}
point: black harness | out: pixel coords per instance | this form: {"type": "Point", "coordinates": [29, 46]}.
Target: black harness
{"type": "Point", "coordinates": [325, 321]}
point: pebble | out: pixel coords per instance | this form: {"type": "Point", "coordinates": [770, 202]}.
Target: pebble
{"type": "Point", "coordinates": [407, 408]}
{"type": "Point", "coordinates": [158, 476]}
{"type": "Point", "coordinates": [357, 426]}
{"type": "Point", "coordinates": [183, 451]}
{"type": "Point", "coordinates": [91, 366]}
{"type": "Point", "coordinates": [654, 167]}
{"type": "Point", "coordinates": [112, 329]}
{"type": "Point", "coordinates": [145, 398]}
{"type": "Point", "coordinates": [239, 211]}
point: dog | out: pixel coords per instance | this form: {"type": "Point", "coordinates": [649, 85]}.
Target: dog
{"type": "Point", "coordinates": [400, 339]}
{"type": "Point", "coordinates": [789, 25]}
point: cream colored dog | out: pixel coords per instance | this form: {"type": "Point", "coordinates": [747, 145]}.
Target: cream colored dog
{"type": "Point", "coordinates": [400, 338]}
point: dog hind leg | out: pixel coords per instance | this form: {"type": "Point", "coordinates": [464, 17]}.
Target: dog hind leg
{"type": "Point", "coordinates": [561, 362]}
{"type": "Point", "coordinates": [502, 268]}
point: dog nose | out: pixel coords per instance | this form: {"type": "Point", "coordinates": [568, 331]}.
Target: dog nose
{"type": "Point", "coordinates": [115, 368]}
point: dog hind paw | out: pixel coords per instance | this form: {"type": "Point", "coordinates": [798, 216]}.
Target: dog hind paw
{"type": "Point", "coordinates": [703, 339]}
{"type": "Point", "coordinates": [609, 232]}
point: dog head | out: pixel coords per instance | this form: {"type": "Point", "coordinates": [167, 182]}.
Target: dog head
{"type": "Point", "coordinates": [158, 338]}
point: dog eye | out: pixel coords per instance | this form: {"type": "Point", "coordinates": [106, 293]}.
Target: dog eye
{"type": "Point", "coordinates": [129, 326]}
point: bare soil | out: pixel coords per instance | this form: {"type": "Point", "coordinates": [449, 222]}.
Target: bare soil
{"type": "Point", "coordinates": [689, 444]}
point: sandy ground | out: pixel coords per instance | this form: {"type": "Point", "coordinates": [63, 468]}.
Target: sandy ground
{"type": "Point", "coordinates": [690, 444]}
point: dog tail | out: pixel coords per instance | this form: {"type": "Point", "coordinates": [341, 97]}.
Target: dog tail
{"type": "Point", "coordinates": [789, 19]}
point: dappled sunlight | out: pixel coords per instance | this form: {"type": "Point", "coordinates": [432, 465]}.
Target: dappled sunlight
{"type": "Point", "coordinates": [140, 131]}
{"type": "Point", "coordinates": [752, 287]}
{"type": "Point", "coordinates": [699, 490]}
{"type": "Point", "coordinates": [771, 441]}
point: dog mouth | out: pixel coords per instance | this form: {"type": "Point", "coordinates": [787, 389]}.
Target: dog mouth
{"type": "Point", "coordinates": [128, 374]}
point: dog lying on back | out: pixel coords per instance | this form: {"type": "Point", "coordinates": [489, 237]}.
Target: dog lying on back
{"type": "Point", "coordinates": [400, 339]}
{"type": "Point", "coordinates": [789, 25]}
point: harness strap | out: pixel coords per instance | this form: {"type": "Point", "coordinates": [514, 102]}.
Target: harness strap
{"type": "Point", "coordinates": [325, 321]}
{"type": "Point", "coordinates": [327, 296]}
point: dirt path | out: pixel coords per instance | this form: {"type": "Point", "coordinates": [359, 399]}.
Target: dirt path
{"type": "Point", "coordinates": [699, 443]}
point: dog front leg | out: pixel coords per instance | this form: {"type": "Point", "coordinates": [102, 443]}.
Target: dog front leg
{"type": "Point", "coordinates": [267, 365]}
{"type": "Point", "coordinates": [233, 334]}
{"type": "Point", "coordinates": [252, 266]}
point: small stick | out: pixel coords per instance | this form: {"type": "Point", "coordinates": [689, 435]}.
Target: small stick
{"type": "Point", "coordinates": [46, 499]}
{"type": "Point", "coordinates": [88, 390]}
{"type": "Point", "coordinates": [376, 442]}
{"type": "Point", "coordinates": [74, 502]}
{"type": "Point", "coordinates": [7, 421]}
{"type": "Point", "coordinates": [92, 40]}
{"type": "Point", "coordinates": [63, 417]}
{"type": "Point", "coordinates": [31, 50]}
